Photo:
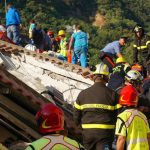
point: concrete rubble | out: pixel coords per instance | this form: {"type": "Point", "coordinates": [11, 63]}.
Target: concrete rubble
{"type": "Point", "coordinates": [27, 81]}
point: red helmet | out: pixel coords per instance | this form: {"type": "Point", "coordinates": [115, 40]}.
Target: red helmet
{"type": "Point", "coordinates": [50, 33]}
{"type": "Point", "coordinates": [128, 96]}
{"type": "Point", "coordinates": [50, 119]}
{"type": "Point", "coordinates": [57, 39]}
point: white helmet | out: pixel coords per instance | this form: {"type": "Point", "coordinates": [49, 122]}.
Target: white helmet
{"type": "Point", "coordinates": [102, 69]}
{"type": "Point", "coordinates": [134, 75]}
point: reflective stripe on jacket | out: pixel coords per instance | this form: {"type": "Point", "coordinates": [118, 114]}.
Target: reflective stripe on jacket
{"type": "Point", "coordinates": [102, 106]}
{"type": "Point", "coordinates": [136, 129]}
{"type": "Point", "coordinates": [142, 48]}
{"type": "Point", "coordinates": [55, 142]}
{"type": "Point", "coordinates": [96, 108]}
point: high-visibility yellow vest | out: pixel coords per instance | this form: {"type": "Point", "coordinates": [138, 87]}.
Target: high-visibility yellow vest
{"type": "Point", "coordinates": [55, 142]}
{"type": "Point", "coordinates": [135, 127]}
{"type": "Point", "coordinates": [63, 47]}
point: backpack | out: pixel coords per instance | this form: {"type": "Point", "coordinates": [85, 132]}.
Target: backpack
{"type": "Point", "coordinates": [37, 36]}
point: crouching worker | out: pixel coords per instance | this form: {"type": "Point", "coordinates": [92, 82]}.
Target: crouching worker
{"type": "Point", "coordinates": [63, 46]}
{"type": "Point", "coordinates": [132, 126]}
{"type": "Point", "coordinates": [50, 120]}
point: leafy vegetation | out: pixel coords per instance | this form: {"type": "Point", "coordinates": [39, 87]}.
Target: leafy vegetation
{"type": "Point", "coordinates": [120, 17]}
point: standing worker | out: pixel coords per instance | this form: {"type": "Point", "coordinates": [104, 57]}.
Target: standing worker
{"type": "Point", "coordinates": [53, 43]}
{"type": "Point", "coordinates": [112, 50]}
{"type": "Point", "coordinates": [13, 23]}
{"type": "Point", "coordinates": [141, 51]}
{"type": "Point", "coordinates": [79, 42]}
{"type": "Point", "coordinates": [31, 28]}
{"type": "Point", "coordinates": [95, 111]}
{"type": "Point", "coordinates": [50, 120]}
{"type": "Point", "coordinates": [63, 45]}
{"type": "Point", "coordinates": [132, 127]}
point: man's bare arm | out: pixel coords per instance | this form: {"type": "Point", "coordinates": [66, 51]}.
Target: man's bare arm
{"type": "Point", "coordinates": [121, 142]}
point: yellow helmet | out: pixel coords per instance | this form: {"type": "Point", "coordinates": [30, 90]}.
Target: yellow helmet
{"type": "Point", "coordinates": [61, 32]}
{"type": "Point", "coordinates": [120, 60]}
{"type": "Point", "coordinates": [102, 69]}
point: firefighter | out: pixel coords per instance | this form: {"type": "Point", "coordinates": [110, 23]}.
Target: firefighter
{"type": "Point", "coordinates": [132, 126]}
{"type": "Point", "coordinates": [118, 74]}
{"type": "Point", "coordinates": [50, 120]}
{"type": "Point", "coordinates": [141, 51]}
{"type": "Point", "coordinates": [95, 111]}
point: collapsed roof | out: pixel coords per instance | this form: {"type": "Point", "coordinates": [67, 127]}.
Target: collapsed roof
{"type": "Point", "coordinates": [27, 81]}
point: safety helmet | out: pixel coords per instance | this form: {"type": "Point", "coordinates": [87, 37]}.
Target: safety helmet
{"type": "Point", "coordinates": [102, 69]}
{"type": "Point", "coordinates": [133, 75]}
{"type": "Point", "coordinates": [61, 32]}
{"type": "Point", "coordinates": [137, 67]}
{"type": "Point", "coordinates": [128, 96]}
{"type": "Point", "coordinates": [50, 32]}
{"type": "Point", "coordinates": [120, 60]}
{"type": "Point", "coordinates": [138, 28]}
{"type": "Point", "coordinates": [50, 119]}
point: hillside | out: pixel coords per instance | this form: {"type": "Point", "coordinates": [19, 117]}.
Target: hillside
{"type": "Point", "coordinates": [115, 18]}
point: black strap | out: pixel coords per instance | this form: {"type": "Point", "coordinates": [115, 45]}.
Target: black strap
{"type": "Point", "coordinates": [122, 124]}
{"type": "Point", "coordinates": [32, 147]}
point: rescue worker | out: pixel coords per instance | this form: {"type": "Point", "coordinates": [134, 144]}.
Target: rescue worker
{"type": "Point", "coordinates": [63, 45]}
{"type": "Point", "coordinates": [79, 43]}
{"type": "Point", "coordinates": [141, 51]}
{"type": "Point", "coordinates": [132, 127]}
{"type": "Point", "coordinates": [112, 50]}
{"type": "Point", "coordinates": [95, 110]}
{"type": "Point", "coordinates": [46, 40]}
{"type": "Point", "coordinates": [118, 74]}
{"type": "Point", "coordinates": [53, 43]}
{"type": "Point", "coordinates": [50, 120]}
{"type": "Point", "coordinates": [134, 78]}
